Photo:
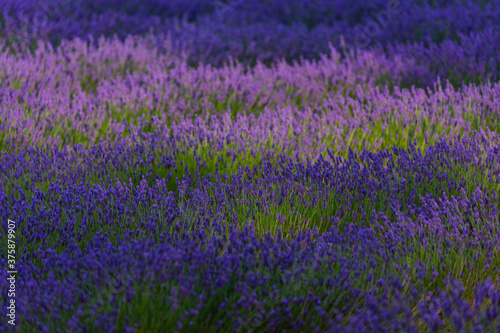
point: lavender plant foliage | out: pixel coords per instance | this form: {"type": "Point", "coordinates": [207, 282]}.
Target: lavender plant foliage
{"type": "Point", "coordinates": [238, 166]}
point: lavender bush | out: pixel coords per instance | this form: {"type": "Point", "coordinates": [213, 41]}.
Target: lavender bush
{"type": "Point", "coordinates": [251, 166]}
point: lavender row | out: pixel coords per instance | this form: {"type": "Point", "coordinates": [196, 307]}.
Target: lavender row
{"type": "Point", "coordinates": [470, 58]}
{"type": "Point", "coordinates": [241, 283]}
{"type": "Point", "coordinates": [108, 183]}
{"type": "Point", "coordinates": [80, 94]}
{"type": "Point", "coordinates": [250, 30]}
{"type": "Point", "coordinates": [391, 227]}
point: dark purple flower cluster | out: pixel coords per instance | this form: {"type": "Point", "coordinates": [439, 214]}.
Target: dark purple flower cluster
{"type": "Point", "coordinates": [236, 252]}
{"type": "Point", "coordinates": [252, 30]}
{"type": "Point", "coordinates": [240, 282]}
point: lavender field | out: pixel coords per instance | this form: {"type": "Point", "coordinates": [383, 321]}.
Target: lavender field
{"type": "Point", "coordinates": [250, 166]}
